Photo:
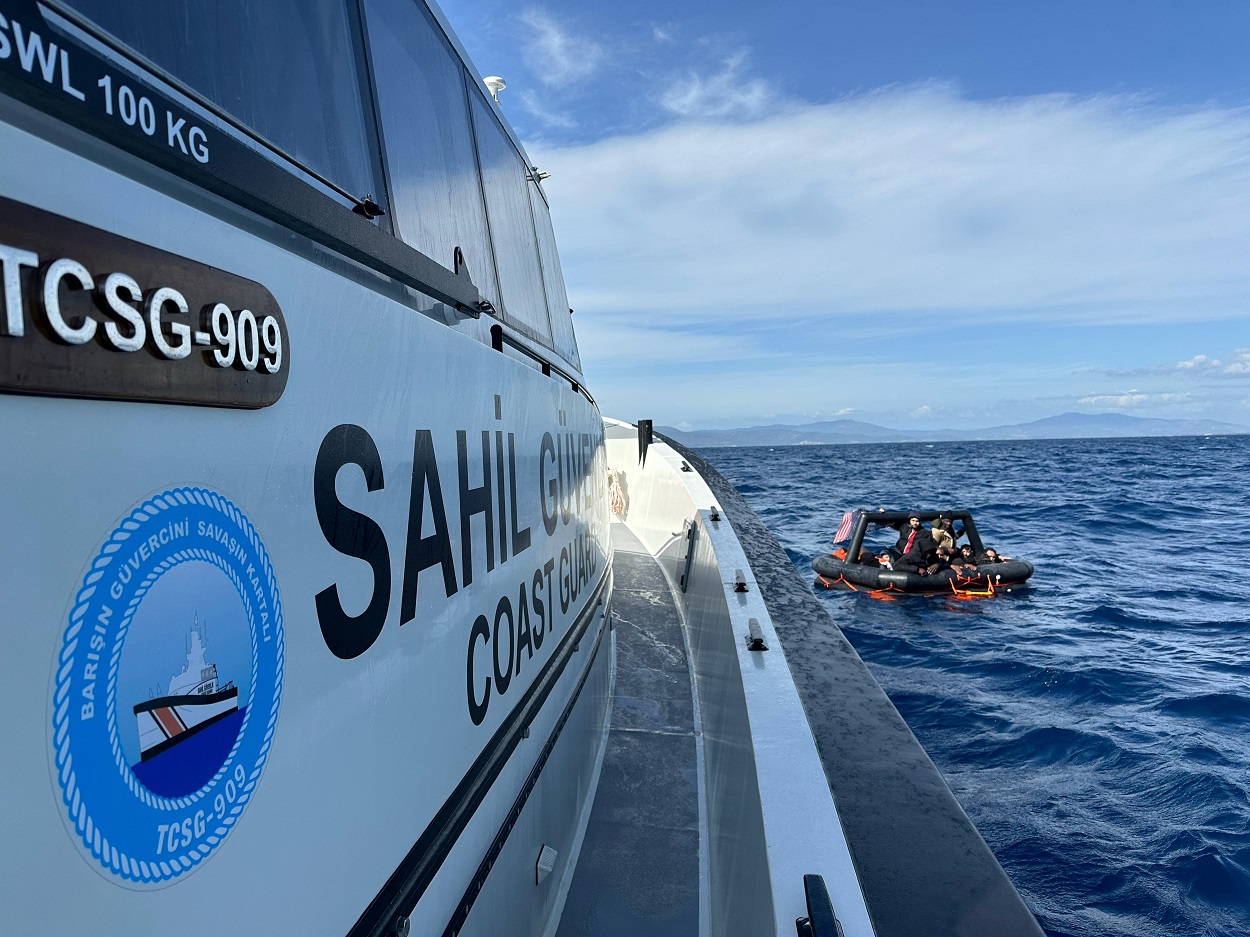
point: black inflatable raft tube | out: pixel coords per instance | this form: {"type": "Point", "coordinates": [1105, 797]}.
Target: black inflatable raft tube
{"type": "Point", "coordinates": [839, 574]}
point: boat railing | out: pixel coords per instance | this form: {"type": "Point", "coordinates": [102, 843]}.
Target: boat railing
{"type": "Point", "coordinates": [499, 338]}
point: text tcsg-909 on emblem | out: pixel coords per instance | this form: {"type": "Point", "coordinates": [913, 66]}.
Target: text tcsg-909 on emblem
{"type": "Point", "coordinates": [87, 313]}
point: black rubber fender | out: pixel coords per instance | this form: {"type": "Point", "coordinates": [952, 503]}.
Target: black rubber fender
{"type": "Point", "coordinates": [840, 574]}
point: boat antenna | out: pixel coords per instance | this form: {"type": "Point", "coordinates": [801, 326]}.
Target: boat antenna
{"type": "Point", "coordinates": [494, 84]}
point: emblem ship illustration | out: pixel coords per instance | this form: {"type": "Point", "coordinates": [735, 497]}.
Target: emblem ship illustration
{"type": "Point", "coordinates": [174, 736]}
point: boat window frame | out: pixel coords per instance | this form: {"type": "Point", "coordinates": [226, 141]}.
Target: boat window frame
{"type": "Point", "coordinates": [372, 114]}
{"type": "Point", "coordinates": [270, 181]}
{"type": "Point", "coordinates": [130, 59]}
{"type": "Point", "coordinates": [245, 171]}
{"type": "Point", "coordinates": [475, 84]}
{"type": "Point", "coordinates": [514, 322]}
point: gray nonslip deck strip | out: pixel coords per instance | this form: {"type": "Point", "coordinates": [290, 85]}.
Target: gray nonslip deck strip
{"type": "Point", "coordinates": [638, 872]}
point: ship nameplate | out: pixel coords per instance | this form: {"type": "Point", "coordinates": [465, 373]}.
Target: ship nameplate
{"type": "Point", "coordinates": [88, 313]}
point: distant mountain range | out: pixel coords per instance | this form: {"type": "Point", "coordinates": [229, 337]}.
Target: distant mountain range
{"type": "Point", "coordinates": [1064, 426]}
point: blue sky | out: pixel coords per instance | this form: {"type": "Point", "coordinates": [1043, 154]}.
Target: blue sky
{"type": "Point", "coordinates": [920, 214]}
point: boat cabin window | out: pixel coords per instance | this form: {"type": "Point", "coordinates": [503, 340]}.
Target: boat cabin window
{"type": "Point", "coordinates": [511, 225]}
{"type": "Point", "coordinates": [436, 198]}
{"type": "Point", "coordinates": [286, 69]}
{"type": "Point", "coordinates": [562, 336]}
{"type": "Point", "coordinates": [298, 75]}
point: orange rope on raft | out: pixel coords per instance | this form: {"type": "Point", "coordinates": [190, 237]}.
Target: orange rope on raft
{"type": "Point", "coordinates": [890, 592]}
{"type": "Point", "coordinates": [972, 593]}
{"type": "Point", "coordinates": [828, 584]}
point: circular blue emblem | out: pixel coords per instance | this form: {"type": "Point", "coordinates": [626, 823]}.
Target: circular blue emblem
{"type": "Point", "coordinates": [168, 684]}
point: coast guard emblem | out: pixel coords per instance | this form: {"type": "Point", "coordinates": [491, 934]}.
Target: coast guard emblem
{"type": "Point", "coordinates": [167, 688]}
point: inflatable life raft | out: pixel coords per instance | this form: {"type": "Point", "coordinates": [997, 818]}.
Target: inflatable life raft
{"type": "Point", "coordinates": [835, 571]}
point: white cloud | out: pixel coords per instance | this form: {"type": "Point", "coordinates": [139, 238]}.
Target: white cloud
{"type": "Point", "coordinates": [728, 92]}
{"type": "Point", "coordinates": [1238, 362]}
{"type": "Point", "coordinates": [913, 201]}
{"type": "Point", "coordinates": [804, 247]}
{"type": "Point", "coordinates": [1235, 363]}
{"type": "Point", "coordinates": [1129, 399]}
{"type": "Point", "coordinates": [663, 32]}
{"type": "Point", "coordinates": [554, 54]}
{"type": "Point", "coordinates": [548, 118]}
{"type": "Point", "coordinates": [660, 345]}
{"type": "Point", "coordinates": [1198, 363]}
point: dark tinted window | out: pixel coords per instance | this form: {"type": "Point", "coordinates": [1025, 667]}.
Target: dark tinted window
{"type": "Point", "coordinates": [511, 224]}
{"type": "Point", "coordinates": [286, 69]}
{"type": "Point", "coordinates": [436, 199]}
{"type": "Point", "coordinates": [553, 279]}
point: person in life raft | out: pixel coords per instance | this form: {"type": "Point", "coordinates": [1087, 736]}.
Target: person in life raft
{"type": "Point", "coordinates": [915, 546]}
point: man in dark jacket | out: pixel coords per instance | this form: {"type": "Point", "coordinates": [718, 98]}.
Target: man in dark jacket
{"type": "Point", "coordinates": [915, 545]}
{"type": "Point", "coordinates": [965, 557]}
{"type": "Point", "coordinates": [990, 556]}
{"type": "Point", "coordinates": [942, 559]}
{"type": "Point", "coordinates": [935, 562]}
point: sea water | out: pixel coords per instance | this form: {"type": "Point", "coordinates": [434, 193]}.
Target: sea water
{"type": "Point", "coordinates": [1096, 727]}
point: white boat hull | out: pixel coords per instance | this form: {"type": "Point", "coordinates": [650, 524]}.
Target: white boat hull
{"type": "Point", "coordinates": [365, 751]}
{"type": "Point", "coordinates": [167, 721]}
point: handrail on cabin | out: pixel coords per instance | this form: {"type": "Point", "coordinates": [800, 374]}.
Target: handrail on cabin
{"type": "Point", "coordinates": [499, 338]}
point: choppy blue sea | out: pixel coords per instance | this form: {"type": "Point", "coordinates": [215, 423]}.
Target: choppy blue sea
{"type": "Point", "coordinates": [1096, 727]}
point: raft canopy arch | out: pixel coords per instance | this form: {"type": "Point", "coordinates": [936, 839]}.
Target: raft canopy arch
{"type": "Point", "coordinates": [891, 518]}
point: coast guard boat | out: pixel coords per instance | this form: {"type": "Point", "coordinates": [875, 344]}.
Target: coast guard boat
{"type": "Point", "coordinates": [283, 316]}
{"type": "Point", "coordinates": [194, 702]}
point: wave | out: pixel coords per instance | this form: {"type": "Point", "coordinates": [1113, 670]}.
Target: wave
{"type": "Point", "coordinates": [1210, 708]}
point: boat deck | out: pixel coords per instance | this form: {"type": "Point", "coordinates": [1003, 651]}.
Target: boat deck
{"type": "Point", "coordinates": [638, 872]}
